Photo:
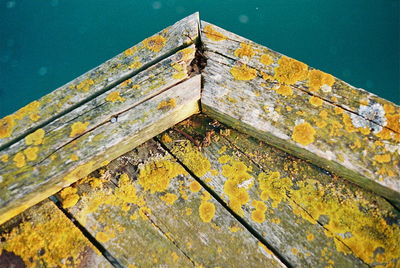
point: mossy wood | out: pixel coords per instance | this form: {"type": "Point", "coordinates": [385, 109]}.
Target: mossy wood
{"type": "Point", "coordinates": [147, 197]}
{"type": "Point", "coordinates": [98, 80]}
{"type": "Point", "coordinates": [43, 236]}
{"type": "Point", "coordinates": [303, 111]}
{"type": "Point", "coordinates": [312, 218]}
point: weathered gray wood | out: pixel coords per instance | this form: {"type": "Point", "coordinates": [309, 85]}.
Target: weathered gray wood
{"type": "Point", "coordinates": [44, 237]}
{"type": "Point", "coordinates": [303, 111]}
{"type": "Point", "coordinates": [99, 79]}
{"type": "Point", "coordinates": [147, 197]}
{"type": "Point", "coordinates": [63, 163]}
{"type": "Point", "coordinates": [310, 217]}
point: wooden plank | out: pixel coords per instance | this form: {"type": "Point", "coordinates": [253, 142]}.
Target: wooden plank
{"type": "Point", "coordinates": [303, 111]}
{"type": "Point", "coordinates": [44, 237]}
{"type": "Point", "coordinates": [147, 197]}
{"type": "Point", "coordinates": [98, 80]}
{"type": "Point", "coordinates": [312, 218]}
{"type": "Point", "coordinates": [62, 157]}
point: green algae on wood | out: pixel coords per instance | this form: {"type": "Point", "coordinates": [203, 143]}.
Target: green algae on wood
{"type": "Point", "coordinates": [145, 196]}
{"type": "Point", "coordinates": [106, 140]}
{"type": "Point", "coordinates": [311, 217]}
{"type": "Point", "coordinates": [44, 237]}
{"type": "Point", "coordinates": [303, 111]}
{"type": "Point", "coordinates": [99, 79]}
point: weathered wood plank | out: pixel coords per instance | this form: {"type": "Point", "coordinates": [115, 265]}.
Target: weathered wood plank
{"type": "Point", "coordinates": [310, 217]}
{"type": "Point", "coordinates": [147, 197]}
{"type": "Point", "coordinates": [98, 80]}
{"type": "Point", "coordinates": [303, 111]}
{"type": "Point", "coordinates": [44, 237]}
{"type": "Point", "coordinates": [24, 184]}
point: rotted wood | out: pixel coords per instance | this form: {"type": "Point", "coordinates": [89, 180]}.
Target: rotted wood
{"type": "Point", "coordinates": [43, 236]}
{"type": "Point", "coordinates": [311, 217]}
{"type": "Point", "coordinates": [146, 210]}
{"type": "Point", "coordinates": [110, 125]}
{"type": "Point", "coordinates": [98, 80]}
{"type": "Point", "coordinates": [303, 111]}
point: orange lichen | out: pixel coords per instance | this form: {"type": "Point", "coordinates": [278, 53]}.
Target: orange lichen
{"type": "Point", "coordinates": [31, 153]}
{"type": "Point", "coordinates": [266, 59]}
{"type": "Point", "coordinates": [284, 90]}
{"type": "Point", "coordinates": [156, 175]}
{"type": "Point", "coordinates": [316, 101]}
{"type": "Point", "coordinates": [74, 157]}
{"type": "Point", "coordinates": [290, 71]}
{"type": "Point", "coordinates": [166, 138]}
{"type": "Point", "coordinates": [35, 138]}
{"type": "Point", "coordinates": [194, 186]}
{"type": "Point", "coordinates": [19, 159]}
{"type": "Point", "coordinates": [192, 158]}
{"type": "Point", "coordinates": [303, 133]}
{"type": "Point", "coordinates": [167, 104]}
{"type": "Point", "coordinates": [392, 129]}
{"type": "Point", "coordinates": [206, 211]}
{"type": "Point", "coordinates": [78, 128]}
{"type": "Point", "coordinates": [213, 34]}
{"type": "Point", "coordinates": [310, 237]}
{"type": "Point", "coordinates": [243, 72]}
{"type": "Point", "coordinates": [155, 43]}
{"type": "Point", "coordinates": [169, 198]}
{"type": "Point", "coordinates": [130, 51]}
{"type": "Point", "coordinates": [245, 50]}
{"type": "Point", "coordinates": [382, 158]}
{"type": "Point", "coordinates": [6, 126]}
{"type": "Point", "coordinates": [317, 79]}
{"type": "Point", "coordinates": [4, 158]}
{"type": "Point", "coordinates": [135, 64]}
{"type": "Point", "coordinates": [114, 96]}
{"type": "Point", "coordinates": [85, 85]}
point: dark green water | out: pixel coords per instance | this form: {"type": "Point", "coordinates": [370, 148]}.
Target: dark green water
{"type": "Point", "coordinates": [46, 43]}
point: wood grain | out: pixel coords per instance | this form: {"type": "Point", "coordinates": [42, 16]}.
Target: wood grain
{"type": "Point", "coordinates": [303, 111]}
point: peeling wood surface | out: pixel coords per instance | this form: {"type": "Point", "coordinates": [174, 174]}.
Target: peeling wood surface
{"type": "Point", "coordinates": [98, 80]}
{"type": "Point", "coordinates": [312, 218]}
{"type": "Point", "coordinates": [303, 111]}
{"type": "Point", "coordinates": [93, 145]}
{"type": "Point", "coordinates": [44, 237]}
{"type": "Point", "coordinates": [145, 196]}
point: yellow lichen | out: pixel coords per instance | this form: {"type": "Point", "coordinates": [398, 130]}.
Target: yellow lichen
{"type": "Point", "coordinates": [243, 72]}
{"type": "Point", "coordinates": [213, 34]}
{"type": "Point", "coordinates": [6, 126]}
{"type": "Point", "coordinates": [103, 237]}
{"type": "Point", "coordinates": [35, 138]}
{"type": "Point", "coordinates": [144, 213]}
{"type": "Point", "coordinates": [392, 129]}
{"type": "Point", "coordinates": [85, 85]}
{"type": "Point", "coordinates": [206, 211]}
{"type": "Point", "coordinates": [19, 159]}
{"type": "Point", "coordinates": [310, 237]}
{"type": "Point", "coordinates": [135, 64]}
{"type": "Point", "coordinates": [48, 239]}
{"type": "Point", "coordinates": [174, 256]}
{"type": "Point", "coordinates": [69, 197]}
{"type": "Point", "coordinates": [245, 50]}
{"type": "Point", "coordinates": [167, 104]}
{"type": "Point", "coordinates": [4, 158]}
{"type": "Point", "coordinates": [317, 79]}
{"type": "Point", "coordinates": [382, 158]}
{"type": "Point", "coordinates": [74, 157]}
{"type": "Point", "coordinates": [315, 101]}
{"type": "Point", "coordinates": [266, 59]}
{"type": "Point", "coordinates": [169, 198]}
{"type": "Point", "coordinates": [290, 71]}
{"type": "Point", "coordinates": [155, 176]}
{"type": "Point", "coordinates": [285, 90]}
{"type": "Point", "coordinates": [303, 134]}
{"type": "Point", "coordinates": [114, 96]}
{"type": "Point", "coordinates": [264, 248]}
{"type": "Point", "coordinates": [32, 109]}
{"type": "Point", "coordinates": [194, 186]}
{"type": "Point", "coordinates": [192, 158]}
{"type": "Point", "coordinates": [78, 128]}
{"type": "Point", "coordinates": [273, 187]}
{"type": "Point", "coordinates": [155, 43]}
{"type": "Point", "coordinates": [234, 229]}
{"type": "Point", "coordinates": [130, 51]}
{"type": "Point", "coordinates": [31, 153]}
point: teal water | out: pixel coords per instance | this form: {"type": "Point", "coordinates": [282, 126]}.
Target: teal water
{"type": "Point", "coordinates": [46, 43]}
